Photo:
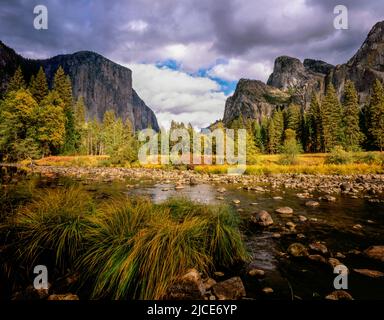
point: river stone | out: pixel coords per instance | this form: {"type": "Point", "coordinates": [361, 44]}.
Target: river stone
{"type": "Point", "coordinates": [209, 283]}
{"type": "Point", "coordinates": [189, 286]}
{"type": "Point", "coordinates": [339, 295]}
{"type": "Point", "coordinates": [375, 252]}
{"type": "Point", "coordinates": [65, 296]}
{"type": "Point", "coordinates": [312, 203]}
{"type": "Point", "coordinates": [317, 258]}
{"type": "Point", "coordinates": [193, 181]}
{"type": "Point", "coordinates": [221, 190]}
{"type": "Point", "coordinates": [236, 201]}
{"type": "Point", "coordinates": [179, 187]}
{"type": "Point", "coordinates": [302, 219]}
{"type": "Point", "coordinates": [262, 218]}
{"type": "Point", "coordinates": [318, 247]}
{"type": "Point", "coordinates": [328, 198]}
{"type": "Point", "coordinates": [345, 186]}
{"type": "Point", "coordinates": [370, 273]}
{"type": "Point", "coordinates": [277, 198]}
{"type": "Point", "coordinates": [231, 289]}
{"type": "Point", "coordinates": [267, 290]}
{"type": "Point", "coordinates": [333, 262]}
{"type": "Point", "coordinates": [297, 250]}
{"type": "Point", "coordinates": [290, 225]}
{"type": "Point", "coordinates": [257, 273]}
{"type": "Point", "coordinates": [284, 210]}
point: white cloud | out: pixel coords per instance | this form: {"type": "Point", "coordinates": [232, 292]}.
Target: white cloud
{"type": "Point", "coordinates": [175, 95]}
{"type": "Point", "coordinates": [237, 68]}
{"type": "Point", "coordinates": [136, 26]}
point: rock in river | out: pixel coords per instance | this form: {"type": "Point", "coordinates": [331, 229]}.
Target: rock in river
{"type": "Point", "coordinates": [339, 295]}
{"type": "Point", "coordinates": [297, 250]}
{"type": "Point", "coordinates": [375, 252]}
{"type": "Point", "coordinates": [312, 203]}
{"type": "Point", "coordinates": [231, 289]}
{"type": "Point", "coordinates": [370, 273]}
{"type": "Point", "coordinates": [189, 286]}
{"type": "Point", "coordinates": [284, 210]}
{"type": "Point", "coordinates": [257, 273]}
{"type": "Point", "coordinates": [66, 296]}
{"type": "Point", "coordinates": [318, 247]}
{"type": "Point", "coordinates": [262, 218]}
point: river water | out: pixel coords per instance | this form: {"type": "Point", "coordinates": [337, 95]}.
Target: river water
{"type": "Point", "coordinates": [347, 227]}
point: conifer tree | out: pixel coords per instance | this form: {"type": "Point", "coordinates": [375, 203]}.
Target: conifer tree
{"type": "Point", "coordinates": [314, 126]}
{"type": "Point", "coordinates": [353, 134]}
{"type": "Point", "coordinates": [376, 115]}
{"type": "Point", "coordinates": [39, 86]}
{"type": "Point", "coordinates": [17, 81]}
{"type": "Point", "coordinates": [332, 122]}
{"type": "Point", "coordinates": [275, 131]}
{"type": "Point", "coordinates": [62, 84]}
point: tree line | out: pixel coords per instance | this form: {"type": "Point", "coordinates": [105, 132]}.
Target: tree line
{"type": "Point", "coordinates": [37, 121]}
{"type": "Point", "coordinates": [328, 123]}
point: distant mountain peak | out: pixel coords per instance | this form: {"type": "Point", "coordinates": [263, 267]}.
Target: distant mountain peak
{"type": "Point", "coordinates": [103, 84]}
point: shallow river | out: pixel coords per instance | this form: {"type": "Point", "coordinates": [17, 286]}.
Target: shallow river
{"type": "Point", "coordinates": [332, 223]}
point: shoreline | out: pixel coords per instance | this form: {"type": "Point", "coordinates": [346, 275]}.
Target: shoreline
{"type": "Point", "coordinates": [355, 185]}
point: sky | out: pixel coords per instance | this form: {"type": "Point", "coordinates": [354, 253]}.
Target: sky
{"type": "Point", "coordinates": [187, 56]}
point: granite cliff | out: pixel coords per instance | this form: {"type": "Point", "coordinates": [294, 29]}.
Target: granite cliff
{"type": "Point", "coordinates": [297, 81]}
{"type": "Point", "coordinates": [102, 83]}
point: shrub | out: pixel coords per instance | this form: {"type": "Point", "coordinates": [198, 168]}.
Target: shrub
{"type": "Point", "coordinates": [291, 148]}
{"type": "Point", "coordinates": [338, 156]}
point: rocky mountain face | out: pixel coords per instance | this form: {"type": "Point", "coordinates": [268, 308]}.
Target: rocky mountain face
{"type": "Point", "coordinates": [103, 84]}
{"type": "Point", "coordinates": [253, 99]}
{"type": "Point", "coordinates": [297, 81]}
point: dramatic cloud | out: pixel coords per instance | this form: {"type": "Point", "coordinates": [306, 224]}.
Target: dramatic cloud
{"type": "Point", "coordinates": [220, 41]}
{"type": "Point", "coordinates": [175, 95]}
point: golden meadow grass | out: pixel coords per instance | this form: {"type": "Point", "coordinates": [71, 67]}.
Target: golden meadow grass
{"type": "Point", "coordinates": [124, 248]}
{"type": "Point", "coordinates": [361, 163]}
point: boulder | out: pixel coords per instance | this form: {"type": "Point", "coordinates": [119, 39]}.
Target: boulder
{"type": "Point", "coordinates": [370, 273]}
{"type": "Point", "coordinates": [339, 295]}
{"type": "Point", "coordinates": [284, 210]}
{"type": "Point", "coordinates": [257, 273]}
{"type": "Point", "coordinates": [188, 287]}
{"type": "Point", "coordinates": [375, 252]}
{"type": "Point", "coordinates": [262, 218]}
{"type": "Point", "coordinates": [297, 250]}
{"type": "Point", "coordinates": [231, 289]}
{"type": "Point", "coordinates": [65, 296]}
{"type": "Point", "coordinates": [312, 203]}
{"type": "Point", "coordinates": [318, 247]}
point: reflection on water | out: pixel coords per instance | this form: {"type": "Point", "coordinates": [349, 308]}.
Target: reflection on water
{"type": "Point", "coordinates": [333, 223]}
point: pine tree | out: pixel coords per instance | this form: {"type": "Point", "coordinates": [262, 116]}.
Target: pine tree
{"type": "Point", "coordinates": [80, 126]}
{"type": "Point", "coordinates": [275, 131]}
{"type": "Point", "coordinates": [293, 118]}
{"type": "Point", "coordinates": [251, 149]}
{"type": "Point", "coordinates": [376, 115]}
{"type": "Point", "coordinates": [352, 133]}
{"type": "Point", "coordinates": [18, 117]}
{"type": "Point", "coordinates": [49, 128]}
{"type": "Point", "coordinates": [314, 126]}
{"type": "Point", "coordinates": [62, 84]}
{"type": "Point", "coordinates": [38, 86]}
{"type": "Point", "coordinates": [17, 81]}
{"type": "Point", "coordinates": [332, 121]}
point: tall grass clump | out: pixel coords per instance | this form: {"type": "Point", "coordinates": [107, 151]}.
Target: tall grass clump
{"type": "Point", "coordinates": [52, 225]}
{"type": "Point", "coordinates": [138, 249]}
